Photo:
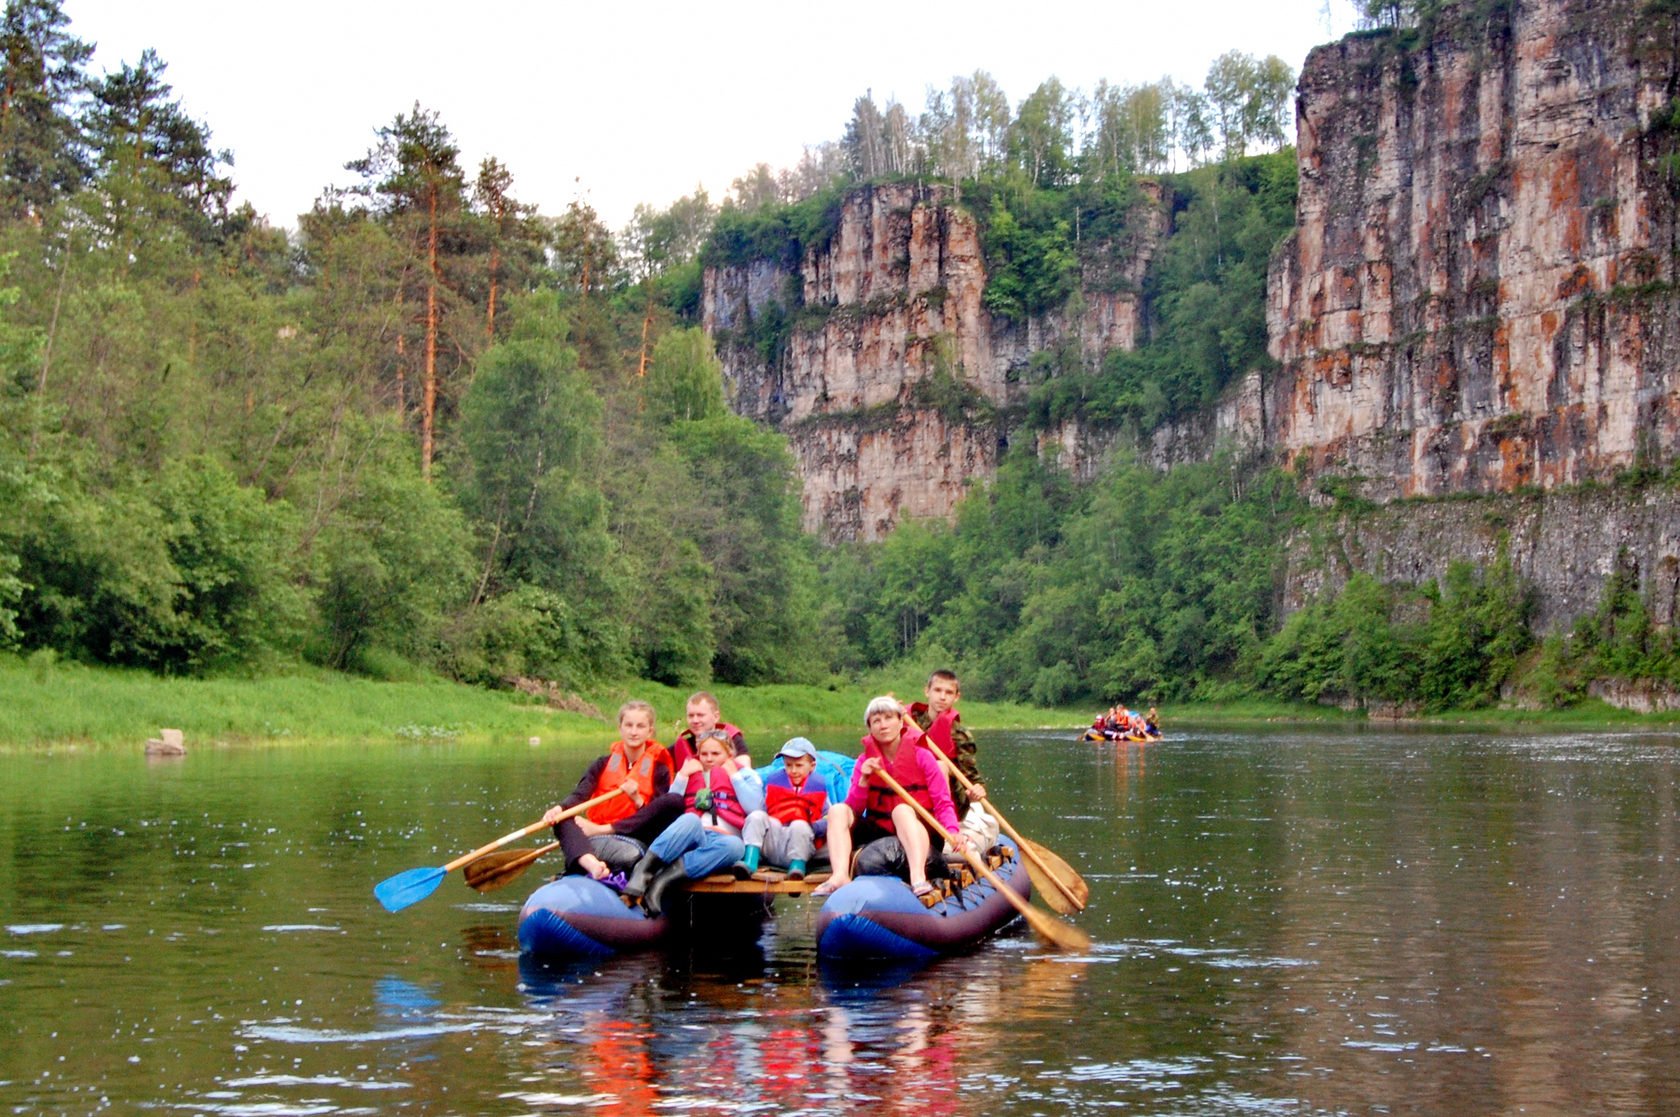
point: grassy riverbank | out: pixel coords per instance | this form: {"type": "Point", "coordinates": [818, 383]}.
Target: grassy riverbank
{"type": "Point", "coordinates": [52, 705]}
{"type": "Point", "coordinates": [49, 704]}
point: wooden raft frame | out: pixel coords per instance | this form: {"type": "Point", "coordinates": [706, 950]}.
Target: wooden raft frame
{"type": "Point", "coordinates": [765, 882]}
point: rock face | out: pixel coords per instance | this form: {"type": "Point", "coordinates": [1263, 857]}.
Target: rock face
{"type": "Point", "coordinates": [896, 383]}
{"type": "Point", "coordinates": [1480, 295]}
{"type": "Point", "coordinates": [1480, 292]}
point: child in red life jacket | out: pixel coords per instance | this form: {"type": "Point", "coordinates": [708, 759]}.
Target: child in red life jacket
{"type": "Point", "coordinates": [610, 836]}
{"type": "Point", "coordinates": [873, 811]}
{"type": "Point", "coordinates": [716, 794]}
{"type": "Point", "coordinates": [942, 727]}
{"type": "Point", "coordinates": [787, 830]}
{"type": "Point", "coordinates": [703, 714]}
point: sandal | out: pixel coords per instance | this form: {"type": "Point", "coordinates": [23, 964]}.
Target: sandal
{"type": "Point", "coordinates": [925, 888]}
{"type": "Point", "coordinates": [828, 887]}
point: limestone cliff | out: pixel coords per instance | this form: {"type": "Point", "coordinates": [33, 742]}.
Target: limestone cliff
{"type": "Point", "coordinates": [895, 383]}
{"type": "Point", "coordinates": [1480, 292]}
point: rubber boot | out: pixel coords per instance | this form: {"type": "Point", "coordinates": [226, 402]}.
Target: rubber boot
{"type": "Point", "coordinates": [751, 859]}
{"type": "Point", "coordinates": [796, 870]}
{"type": "Point", "coordinates": [653, 901]}
{"type": "Point", "coordinates": [641, 877]}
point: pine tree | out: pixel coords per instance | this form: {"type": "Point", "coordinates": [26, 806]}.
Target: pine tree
{"type": "Point", "coordinates": [42, 75]}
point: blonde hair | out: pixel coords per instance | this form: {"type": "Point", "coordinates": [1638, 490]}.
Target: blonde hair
{"type": "Point", "coordinates": [884, 704]}
{"type": "Point", "coordinates": [638, 704]}
{"type": "Point", "coordinates": [707, 697]}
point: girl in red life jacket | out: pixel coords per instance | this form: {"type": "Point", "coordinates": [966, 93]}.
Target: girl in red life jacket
{"type": "Point", "coordinates": [611, 835]}
{"type": "Point", "coordinates": [706, 837]}
{"type": "Point", "coordinates": [872, 810]}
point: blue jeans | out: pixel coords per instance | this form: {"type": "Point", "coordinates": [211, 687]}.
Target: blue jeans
{"type": "Point", "coordinates": [703, 851]}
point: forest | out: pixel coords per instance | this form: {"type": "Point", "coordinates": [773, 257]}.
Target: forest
{"type": "Point", "coordinates": [432, 429]}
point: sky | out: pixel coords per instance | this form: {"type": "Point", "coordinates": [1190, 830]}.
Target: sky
{"type": "Point", "coordinates": [616, 104]}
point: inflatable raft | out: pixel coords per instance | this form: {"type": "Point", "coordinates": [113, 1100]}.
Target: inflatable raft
{"type": "Point", "coordinates": [878, 917]}
{"type": "Point", "coordinates": [579, 917]}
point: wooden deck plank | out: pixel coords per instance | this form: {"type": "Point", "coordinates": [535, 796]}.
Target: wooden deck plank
{"type": "Point", "coordinates": [765, 881]}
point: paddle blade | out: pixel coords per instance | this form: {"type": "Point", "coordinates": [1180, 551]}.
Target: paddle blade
{"type": "Point", "coordinates": [1073, 887]}
{"type": "Point", "coordinates": [498, 870]}
{"type": "Point", "coordinates": [1044, 887]}
{"type": "Point", "coordinates": [1063, 936]}
{"type": "Point", "coordinates": [398, 892]}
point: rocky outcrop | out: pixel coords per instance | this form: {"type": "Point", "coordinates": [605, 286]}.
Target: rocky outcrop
{"type": "Point", "coordinates": [1564, 544]}
{"type": "Point", "coordinates": [1480, 294]}
{"type": "Point", "coordinates": [1479, 297]}
{"type": "Point", "coordinates": [876, 354]}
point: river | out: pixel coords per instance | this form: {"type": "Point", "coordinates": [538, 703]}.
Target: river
{"type": "Point", "coordinates": [1290, 921]}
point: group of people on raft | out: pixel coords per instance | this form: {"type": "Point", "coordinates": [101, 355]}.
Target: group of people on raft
{"type": "Point", "coordinates": [699, 807]}
{"type": "Point", "coordinates": [1120, 723]}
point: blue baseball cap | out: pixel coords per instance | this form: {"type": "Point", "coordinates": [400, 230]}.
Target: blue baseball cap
{"type": "Point", "coordinates": [798, 746]}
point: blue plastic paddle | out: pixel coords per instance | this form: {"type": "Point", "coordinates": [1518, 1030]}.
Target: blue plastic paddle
{"type": "Point", "coordinates": [398, 892]}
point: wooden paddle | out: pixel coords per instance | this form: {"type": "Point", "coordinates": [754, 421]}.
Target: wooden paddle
{"type": "Point", "coordinates": [1054, 931]}
{"type": "Point", "coordinates": [496, 870]}
{"type": "Point", "coordinates": [406, 888]}
{"type": "Point", "coordinates": [1052, 878]}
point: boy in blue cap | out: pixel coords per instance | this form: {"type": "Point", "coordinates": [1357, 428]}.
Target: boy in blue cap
{"type": "Point", "coordinates": [794, 818]}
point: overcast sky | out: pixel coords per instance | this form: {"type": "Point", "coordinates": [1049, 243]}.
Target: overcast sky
{"type": "Point", "coordinates": [625, 103]}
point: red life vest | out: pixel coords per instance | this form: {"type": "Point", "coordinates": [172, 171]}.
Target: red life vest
{"type": "Point", "coordinates": [786, 803]}
{"type": "Point", "coordinates": [726, 805]}
{"type": "Point", "coordinates": [682, 749]}
{"type": "Point", "coordinates": [618, 770]}
{"type": "Point", "coordinates": [939, 729]}
{"type": "Point", "coordinates": [904, 768]}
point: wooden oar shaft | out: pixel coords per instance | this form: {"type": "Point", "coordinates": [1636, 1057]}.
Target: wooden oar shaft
{"type": "Point", "coordinates": [540, 824]}
{"type": "Point", "coordinates": [1061, 934]}
{"type": "Point", "coordinates": [1026, 847]}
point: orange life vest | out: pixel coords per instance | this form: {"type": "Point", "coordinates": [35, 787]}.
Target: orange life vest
{"type": "Point", "coordinates": [618, 770]}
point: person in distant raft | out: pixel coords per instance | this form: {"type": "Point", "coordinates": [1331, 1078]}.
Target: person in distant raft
{"type": "Point", "coordinates": [612, 836]}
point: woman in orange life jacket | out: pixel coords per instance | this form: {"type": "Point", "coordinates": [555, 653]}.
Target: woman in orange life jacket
{"type": "Point", "coordinates": [612, 836]}
{"type": "Point", "coordinates": [872, 810]}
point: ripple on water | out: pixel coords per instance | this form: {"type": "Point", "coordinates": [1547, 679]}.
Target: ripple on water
{"type": "Point", "coordinates": [34, 928]}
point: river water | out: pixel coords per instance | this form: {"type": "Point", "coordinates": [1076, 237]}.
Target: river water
{"type": "Point", "coordinates": [1285, 921]}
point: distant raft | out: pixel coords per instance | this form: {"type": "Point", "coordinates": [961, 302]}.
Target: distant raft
{"type": "Point", "coordinates": [1114, 735]}
{"type": "Point", "coordinates": [879, 918]}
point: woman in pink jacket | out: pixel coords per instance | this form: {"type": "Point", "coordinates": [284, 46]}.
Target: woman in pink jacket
{"type": "Point", "coordinates": [872, 810]}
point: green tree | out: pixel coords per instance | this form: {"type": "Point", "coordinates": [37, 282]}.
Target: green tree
{"type": "Point", "coordinates": [42, 74]}
{"type": "Point", "coordinates": [159, 174]}
{"type": "Point", "coordinates": [412, 178]}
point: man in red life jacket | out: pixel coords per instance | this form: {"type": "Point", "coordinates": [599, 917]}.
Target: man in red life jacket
{"type": "Point", "coordinates": [703, 714]}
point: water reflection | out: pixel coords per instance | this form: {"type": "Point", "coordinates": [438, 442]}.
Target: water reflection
{"type": "Point", "coordinates": [641, 1030]}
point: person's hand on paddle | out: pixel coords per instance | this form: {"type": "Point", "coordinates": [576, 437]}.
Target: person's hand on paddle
{"type": "Point", "coordinates": [869, 765]}
{"type": "Point", "coordinates": [553, 815]}
{"type": "Point", "coordinates": [976, 792]}
{"type": "Point", "coordinates": [959, 842]}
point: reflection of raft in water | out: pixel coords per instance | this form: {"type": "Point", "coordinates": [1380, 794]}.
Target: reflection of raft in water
{"type": "Point", "coordinates": [872, 917]}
